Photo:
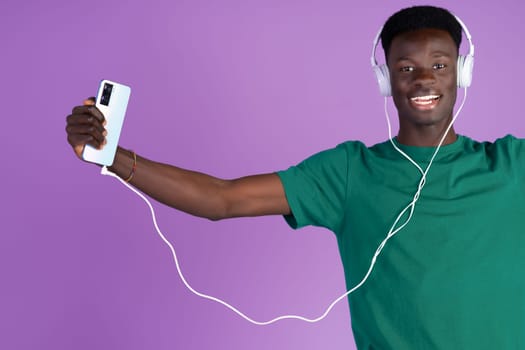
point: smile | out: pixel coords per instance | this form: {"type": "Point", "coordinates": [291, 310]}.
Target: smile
{"type": "Point", "coordinates": [425, 102]}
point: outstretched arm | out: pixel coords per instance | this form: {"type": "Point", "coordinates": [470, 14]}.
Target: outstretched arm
{"type": "Point", "coordinates": [189, 191]}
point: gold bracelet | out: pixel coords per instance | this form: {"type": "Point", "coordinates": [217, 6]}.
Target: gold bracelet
{"type": "Point", "coordinates": [133, 168]}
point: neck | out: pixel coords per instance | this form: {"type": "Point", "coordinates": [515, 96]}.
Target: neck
{"type": "Point", "coordinates": [426, 137]}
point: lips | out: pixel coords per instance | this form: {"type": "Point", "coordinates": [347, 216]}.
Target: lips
{"type": "Point", "coordinates": [425, 102]}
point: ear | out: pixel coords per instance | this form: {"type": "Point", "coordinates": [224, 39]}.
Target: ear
{"type": "Point", "coordinates": [383, 79]}
{"type": "Point", "coordinates": [465, 66]}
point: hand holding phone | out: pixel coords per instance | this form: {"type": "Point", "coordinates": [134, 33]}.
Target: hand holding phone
{"type": "Point", "coordinates": [112, 101]}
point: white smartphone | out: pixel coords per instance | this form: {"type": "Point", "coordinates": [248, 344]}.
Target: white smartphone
{"type": "Point", "coordinates": [112, 101]}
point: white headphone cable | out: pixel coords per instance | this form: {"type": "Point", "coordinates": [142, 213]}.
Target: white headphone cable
{"type": "Point", "coordinates": [423, 173]}
{"type": "Point", "coordinates": [391, 232]}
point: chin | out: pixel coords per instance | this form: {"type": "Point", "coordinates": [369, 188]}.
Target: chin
{"type": "Point", "coordinates": [429, 120]}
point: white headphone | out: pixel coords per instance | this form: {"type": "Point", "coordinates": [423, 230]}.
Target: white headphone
{"type": "Point", "coordinates": [465, 64]}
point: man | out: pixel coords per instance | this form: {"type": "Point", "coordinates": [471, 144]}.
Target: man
{"type": "Point", "coordinates": [451, 278]}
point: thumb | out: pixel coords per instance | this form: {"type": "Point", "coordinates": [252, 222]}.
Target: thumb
{"type": "Point", "coordinates": [89, 101]}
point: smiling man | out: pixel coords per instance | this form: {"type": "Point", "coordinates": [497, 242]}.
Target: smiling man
{"type": "Point", "coordinates": [452, 277]}
{"type": "Point", "coordinates": [423, 66]}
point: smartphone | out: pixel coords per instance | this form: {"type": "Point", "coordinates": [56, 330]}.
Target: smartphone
{"type": "Point", "coordinates": [112, 101]}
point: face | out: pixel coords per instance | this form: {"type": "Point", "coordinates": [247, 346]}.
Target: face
{"type": "Point", "coordinates": [422, 67]}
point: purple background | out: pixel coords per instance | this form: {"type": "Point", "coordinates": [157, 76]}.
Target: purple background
{"type": "Point", "coordinates": [231, 88]}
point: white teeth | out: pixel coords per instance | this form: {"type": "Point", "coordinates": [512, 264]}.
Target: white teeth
{"type": "Point", "coordinates": [425, 98]}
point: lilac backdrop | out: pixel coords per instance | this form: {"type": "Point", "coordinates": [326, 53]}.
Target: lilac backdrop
{"type": "Point", "coordinates": [230, 87]}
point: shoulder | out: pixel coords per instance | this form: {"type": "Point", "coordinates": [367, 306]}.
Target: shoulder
{"type": "Point", "coordinates": [508, 142]}
{"type": "Point", "coordinates": [339, 154]}
{"type": "Point", "coordinates": [328, 163]}
{"type": "Point", "coordinates": [507, 152]}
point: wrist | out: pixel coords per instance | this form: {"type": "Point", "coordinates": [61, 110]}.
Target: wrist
{"type": "Point", "coordinates": [133, 168]}
{"type": "Point", "coordinates": [124, 164]}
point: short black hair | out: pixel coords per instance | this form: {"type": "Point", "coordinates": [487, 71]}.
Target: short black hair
{"type": "Point", "coordinates": [420, 17]}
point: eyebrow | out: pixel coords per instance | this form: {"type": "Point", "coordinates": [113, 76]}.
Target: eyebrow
{"type": "Point", "coordinates": [435, 54]}
{"type": "Point", "coordinates": [440, 54]}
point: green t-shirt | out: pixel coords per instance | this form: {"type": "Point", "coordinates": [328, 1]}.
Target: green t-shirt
{"type": "Point", "coordinates": [454, 277]}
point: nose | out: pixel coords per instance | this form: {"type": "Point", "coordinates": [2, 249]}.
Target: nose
{"type": "Point", "coordinates": [424, 76]}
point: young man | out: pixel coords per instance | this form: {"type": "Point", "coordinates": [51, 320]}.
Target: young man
{"type": "Point", "coordinates": [451, 278]}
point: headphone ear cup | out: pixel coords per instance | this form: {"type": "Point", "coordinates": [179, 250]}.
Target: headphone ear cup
{"type": "Point", "coordinates": [383, 79]}
{"type": "Point", "coordinates": [465, 67]}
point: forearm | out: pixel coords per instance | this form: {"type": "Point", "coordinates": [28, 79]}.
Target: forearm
{"type": "Point", "coordinates": [189, 191]}
{"type": "Point", "coordinates": [192, 192]}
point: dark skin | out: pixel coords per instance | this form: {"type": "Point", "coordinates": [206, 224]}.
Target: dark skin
{"type": "Point", "coordinates": [422, 64]}
{"type": "Point", "coordinates": [192, 192]}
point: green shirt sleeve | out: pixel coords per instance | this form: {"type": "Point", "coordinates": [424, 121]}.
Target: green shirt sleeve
{"type": "Point", "coordinates": [518, 149]}
{"type": "Point", "coordinates": [316, 189]}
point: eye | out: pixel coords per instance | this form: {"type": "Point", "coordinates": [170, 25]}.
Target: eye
{"type": "Point", "coordinates": [406, 69]}
{"type": "Point", "coordinates": [438, 66]}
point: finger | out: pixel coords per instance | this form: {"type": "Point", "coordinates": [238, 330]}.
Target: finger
{"type": "Point", "coordinates": [86, 129]}
{"type": "Point", "coordinates": [79, 149]}
{"type": "Point", "coordinates": [82, 118]}
{"type": "Point", "coordinates": [81, 110]}
{"type": "Point", "coordinates": [78, 142]}
{"type": "Point", "coordinates": [90, 101]}
{"type": "Point", "coordinates": [92, 110]}
{"type": "Point", "coordinates": [97, 113]}
{"type": "Point", "coordinates": [85, 125]}
{"type": "Point", "coordinates": [85, 120]}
